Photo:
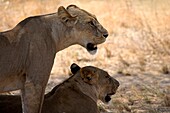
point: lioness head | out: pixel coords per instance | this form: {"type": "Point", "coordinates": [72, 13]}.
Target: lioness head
{"type": "Point", "coordinates": [105, 84]}
{"type": "Point", "coordinates": [88, 32]}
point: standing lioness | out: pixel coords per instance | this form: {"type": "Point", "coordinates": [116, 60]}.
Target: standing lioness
{"type": "Point", "coordinates": [27, 51]}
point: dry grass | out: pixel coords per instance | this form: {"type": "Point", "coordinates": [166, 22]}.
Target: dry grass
{"type": "Point", "coordinates": [138, 48]}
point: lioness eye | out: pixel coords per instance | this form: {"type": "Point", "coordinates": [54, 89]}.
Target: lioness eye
{"type": "Point", "coordinates": [91, 23]}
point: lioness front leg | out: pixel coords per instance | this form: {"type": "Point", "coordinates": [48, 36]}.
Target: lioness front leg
{"type": "Point", "coordinates": [33, 92]}
{"type": "Point", "coordinates": [32, 97]}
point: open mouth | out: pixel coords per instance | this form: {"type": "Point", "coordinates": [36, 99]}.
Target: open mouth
{"type": "Point", "coordinates": [108, 97]}
{"type": "Point", "coordinates": [91, 48]}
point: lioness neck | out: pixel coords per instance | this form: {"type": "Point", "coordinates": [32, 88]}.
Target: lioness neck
{"type": "Point", "coordinates": [87, 89]}
{"type": "Point", "coordinates": [62, 35]}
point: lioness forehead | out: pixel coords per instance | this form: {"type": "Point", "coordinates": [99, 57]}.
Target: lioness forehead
{"type": "Point", "coordinates": [95, 69]}
{"type": "Point", "coordinates": [74, 10]}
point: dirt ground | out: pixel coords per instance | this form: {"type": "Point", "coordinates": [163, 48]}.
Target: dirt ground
{"type": "Point", "coordinates": [136, 53]}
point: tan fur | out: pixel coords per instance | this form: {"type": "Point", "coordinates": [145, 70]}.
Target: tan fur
{"type": "Point", "coordinates": [77, 94]}
{"type": "Point", "coordinates": [27, 51]}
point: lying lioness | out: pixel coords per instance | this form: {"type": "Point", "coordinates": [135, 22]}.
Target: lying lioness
{"type": "Point", "coordinates": [28, 50]}
{"type": "Point", "coordinates": [77, 94]}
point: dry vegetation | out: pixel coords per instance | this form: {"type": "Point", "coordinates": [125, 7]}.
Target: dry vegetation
{"type": "Point", "coordinates": [137, 52]}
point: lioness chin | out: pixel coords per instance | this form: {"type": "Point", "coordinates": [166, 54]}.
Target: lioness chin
{"type": "Point", "coordinates": [28, 50]}
{"type": "Point", "coordinates": [77, 94]}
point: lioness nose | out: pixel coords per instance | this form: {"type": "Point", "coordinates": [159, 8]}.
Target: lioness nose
{"type": "Point", "coordinates": [105, 35]}
{"type": "Point", "coordinates": [117, 83]}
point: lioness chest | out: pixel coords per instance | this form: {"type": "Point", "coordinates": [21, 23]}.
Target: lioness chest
{"type": "Point", "coordinates": [13, 56]}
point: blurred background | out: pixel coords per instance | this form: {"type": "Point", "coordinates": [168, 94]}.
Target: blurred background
{"type": "Point", "coordinates": [137, 51]}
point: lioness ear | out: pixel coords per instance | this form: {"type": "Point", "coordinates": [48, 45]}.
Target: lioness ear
{"type": "Point", "coordinates": [74, 68]}
{"type": "Point", "coordinates": [72, 6]}
{"type": "Point", "coordinates": [88, 76]}
{"type": "Point", "coordinates": [66, 17]}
